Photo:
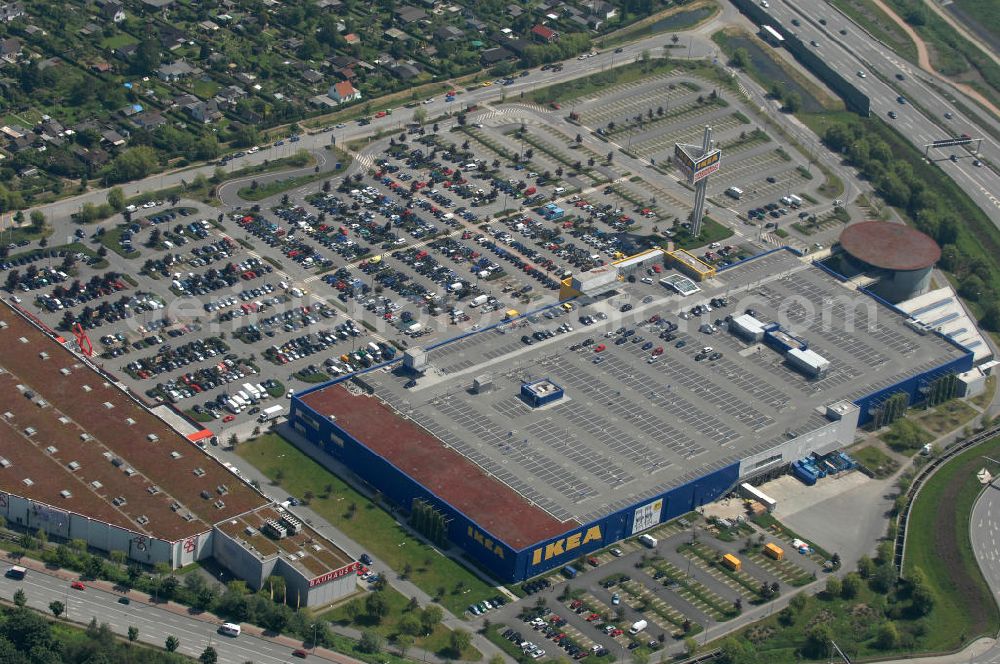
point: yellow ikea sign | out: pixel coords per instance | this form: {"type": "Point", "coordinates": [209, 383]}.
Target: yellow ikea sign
{"type": "Point", "coordinates": [487, 542]}
{"type": "Point", "coordinates": [562, 545]}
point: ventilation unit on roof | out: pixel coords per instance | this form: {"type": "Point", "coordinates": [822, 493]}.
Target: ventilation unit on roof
{"type": "Point", "coordinates": [86, 388]}
{"type": "Point", "coordinates": [291, 523]}
{"type": "Point", "coordinates": [152, 490]}
{"type": "Point", "coordinates": [66, 493]}
{"type": "Point", "coordinates": [118, 501]}
{"type": "Point", "coordinates": [85, 437]}
{"type": "Point", "coordinates": [3, 325]}
{"type": "Point", "coordinates": [8, 415]}
{"type": "Point", "coordinates": [222, 489]}
{"type": "Point", "coordinates": [188, 516]}
{"type": "Point", "coordinates": [198, 471]}
{"type": "Point", "coordinates": [152, 438]}
{"type": "Point", "coordinates": [129, 470]}
{"type": "Point", "coordinates": [274, 529]}
{"type": "Point", "coordinates": [219, 505]}
{"type": "Point", "coordinates": [51, 449]}
{"type": "Point", "coordinates": [43, 355]}
{"type": "Point", "coordinates": [129, 421]}
{"type": "Point", "coordinates": [64, 371]}
{"type": "Point", "coordinates": [63, 420]}
{"type": "Point", "coordinates": [108, 405]}
{"type": "Point", "coordinates": [28, 481]}
{"type": "Point", "coordinates": [74, 465]}
{"type": "Point", "coordinates": [205, 494]}
{"type": "Point", "coordinates": [175, 506]}
{"type": "Point", "coordinates": [4, 462]}
{"type": "Point", "coordinates": [42, 403]}
{"type": "Point", "coordinates": [175, 455]}
{"type": "Point", "coordinates": [249, 531]}
{"type": "Point", "coordinates": [96, 484]}
{"type": "Point", "coordinates": [142, 520]}
{"type": "Point", "coordinates": [23, 340]}
{"type": "Point", "coordinates": [29, 431]}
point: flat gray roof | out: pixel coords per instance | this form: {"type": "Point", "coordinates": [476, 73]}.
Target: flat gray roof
{"type": "Point", "coordinates": [628, 429]}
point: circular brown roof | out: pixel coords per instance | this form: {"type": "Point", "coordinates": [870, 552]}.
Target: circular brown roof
{"type": "Point", "coordinates": [890, 246]}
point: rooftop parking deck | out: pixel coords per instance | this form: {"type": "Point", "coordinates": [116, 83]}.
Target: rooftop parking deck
{"type": "Point", "coordinates": [634, 421]}
{"type": "Point", "coordinates": [171, 488]}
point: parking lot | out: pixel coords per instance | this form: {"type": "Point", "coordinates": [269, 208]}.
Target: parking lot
{"type": "Point", "coordinates": [452, 228]}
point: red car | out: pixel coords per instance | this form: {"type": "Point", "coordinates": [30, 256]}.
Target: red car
{"type": "Point", "coordinates": [300, 653]}
{"type": "Point", "coordinates": [594, 562]}
{"type": "Point", "coordinates": [228, 418]}
{"type": "Point", "coordinates": [76, 585]}
{"type": "Point", "coordinates": [600, 348]}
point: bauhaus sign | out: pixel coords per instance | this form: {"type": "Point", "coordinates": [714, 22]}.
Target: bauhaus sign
{"type": "Point", "coordinates": [329, 576]}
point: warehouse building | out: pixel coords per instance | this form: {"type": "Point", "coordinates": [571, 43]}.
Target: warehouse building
{"type": "Point", "coordinates": [635, 437]}
{"type": "Point", "coordinates": [81, 459]}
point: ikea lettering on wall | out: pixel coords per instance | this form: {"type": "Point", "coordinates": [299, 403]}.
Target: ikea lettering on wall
{"type": "Point", "coordinates": [561, 546]}
{"type": "Point", "coordinates": [493, 547]}
{"type": "Point", "coordinates": [647, 516]}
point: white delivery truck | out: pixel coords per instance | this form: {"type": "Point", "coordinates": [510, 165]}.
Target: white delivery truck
{"type": "Point", "coordinates": [649, 541]}
{"type": "Point", "coordinates": [638, 627]}
{"type": "Point", "coordinates": [270, 413]}
{"type": "Point", "coordinates": [479, 300]}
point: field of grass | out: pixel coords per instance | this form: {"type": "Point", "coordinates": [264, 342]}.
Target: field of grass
{"type": "Point", "coordinates": [878, 23]}
{"type": "Point", "coordinates": [674, 19]}
{"type": "Point", "coordinates": [369, 525]}
{"type": "Point", "coordinates": [981, 16]}
{"type": "Point", "coordinates": [947, 417]}
{"type": "Point", "coordinates": [112, 238]}
{"type": "Point", "coordinates": [938, 544]}
{"type": "Point", "coordinates": [878, 462]}
{"type": "Point", "coordinates": [388, 625]}
{"type": "Point", "coordinates": [711, 231]}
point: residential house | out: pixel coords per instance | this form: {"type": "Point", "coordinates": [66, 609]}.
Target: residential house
{"type": "Point", "coordinates": [126, 51]}
{"type": "Point", "coordinates": [518, 46]}
{"type": "Point", "coordinates": [476, 24]}
{"type": "Point", "coordinates": [10, 11]}
{"type": "Point", "coordinates": [246, 77]}
{"type": "Point", "coordinates": [340, 61]}
{"type": "Point", "coordinates": [112, 137]}
{"type": "Point", "coordinates": [130, 109]}
{"type": "Point", "coordinates": [204, 111]}
{"type": "Point", "coordinates": [330, 5]}
{"type": "Point", "coordinates": [230, 95]}
{"type": "Point", "coordinates": [352, 38]}
{"type": "Point", "coordinates": [343, 91]}
{"type": "Point", "coordinates": [148, 120]}
{"type": "Point", "coordinates": [209, 26]}
{"type": "Point", "coordinates": [157, 4]}
{"type": "Point", "coordinates": [448, 33]}
{"type": "Point", "coordinates": [544, 34]}
{"type": "Point", "coordinates": [514, 11]}
{"type": "Point", "coordinates": [410, 14]}
{"type": "Point", "coordinates": [93, 158]}
{"type": "Point", "coordinates": [172, 37]}
{"type": "Point", "coordinates": [112, 10]}
{"type": "Point", "coordinates": [10, 48]}
{"type": "Point", "coordinates": [492, 56]}
{"type": "Point", "coordinates": [395, 34]}
{"type": "Point", "coordinates": [101, 67]}
{"type": "Point", "coordinates": [311, 76]}
{"type": "Point", "coordinates": [176, 71]}
{"type": "Point", "coordinates": [602, 9]}
{"type": "Point", "coordinates": [405, 71]}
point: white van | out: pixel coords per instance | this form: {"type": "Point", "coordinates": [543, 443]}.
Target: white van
{"type": "Point", "coordinates": [734, 192]}
{"type": "Point", "coordinates": [230, 629]}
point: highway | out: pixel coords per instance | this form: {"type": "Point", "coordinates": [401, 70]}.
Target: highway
{"type": "Point", "coordinates": [985, 534]}
{"type": "Point", "coordinates": [154, 622]}
{"type": "Point", "coordinates": [856, 51]}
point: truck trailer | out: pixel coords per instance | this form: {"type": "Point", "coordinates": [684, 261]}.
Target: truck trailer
{"type": "Point", "coordinates": [270, 413]}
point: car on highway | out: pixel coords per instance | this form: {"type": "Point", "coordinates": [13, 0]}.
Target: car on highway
{"type": "Point", "coordinates": [977, 163]}
{"type": "Point", "coordinates": [901, 99]}
{"type": "Point", "coordinates": [893, 115]}
{"type": "Point", "coordinates": [861, 74]}
{"type": "Point", "coordinates": [124, 600]}
{"type": "Point", "coordinates": [772, 179]}
{"type": "Point", "coordinates": [814, 43]}
{"type": "Point", "coordinates": [619, 49]}
{"type": "Point", "coordinates": [948, 115]}
{"type": "Point", "coordinates": [953, 157]}
{"type": "Point", "coordinates": [300, 653]}
{"type": "Point", "coordinates": [76, 585]}
{"type": "Point", "coordinates": [900, 77]}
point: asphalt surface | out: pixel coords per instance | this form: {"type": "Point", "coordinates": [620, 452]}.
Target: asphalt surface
{"type": "Point", "coordinates": [856, 51]}
{"type": "Point", "coordinates": [155, 623]}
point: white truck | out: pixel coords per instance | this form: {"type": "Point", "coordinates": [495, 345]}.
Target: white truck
{"type": "Point", "coordinates": [479, 300]}
{"type": "Point", "coordinates": [638, 627]}
{"type": "Point", "coordinates": [270, 413]}
{"type": "Point", "coordinates": [649, 540]}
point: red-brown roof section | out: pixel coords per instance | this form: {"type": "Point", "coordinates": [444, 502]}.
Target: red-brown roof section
{"type": "Point", "coordinates": [890, 246]}
{"type": "Point", "coordinates": [497, 508]}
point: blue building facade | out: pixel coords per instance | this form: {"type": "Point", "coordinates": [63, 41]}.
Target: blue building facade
{"type": "Point", "coordinates": [506, 563]}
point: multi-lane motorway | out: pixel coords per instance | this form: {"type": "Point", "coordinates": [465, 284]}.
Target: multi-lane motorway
{"type": "Point", "coordinates": [155, 624]}
{"type": "Point", "coordinates": [853, 51]}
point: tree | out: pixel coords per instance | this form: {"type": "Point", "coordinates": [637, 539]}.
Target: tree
{"type": "Point", "coordinates": [888, 636]}
{"type": "Point", "coordinates": [883, 579]}
{"type": "Point", "coordinates": [370, 642]}
{"type": "Point", "coordinates": [420, 116]}
{"type": "Point", "coordinates": [737, 651]}
{"type": "Point", "coordinates": [690, 646]}
{"type": "Point", "coordinates": [793, 102]}
{"type": "Point", "coordinates": [866, 566]}
{"type": "Point", "coordinates": [133, 633]}
{"type": "Point", "coordinates": [57, 608]}
{"type": "Point", "coordinates": [430, 617]}
{"type": "Point", "coordinates": [37, 220]}
{"type": "Point", "coordinates": [116, 199]}
{"type": "Point", "coordinates": [409, 624]}
{"type": "Point", "coordinates": [459, 640]}
{"type": "Point", "coordinates": [740, 58]}
{"type": "Point", "coordinates": [798, 602]}
{"type": "Point", "coordinates": [376, 607]}
{"type": "Point", "coordinates": [20, 599]}
{"type": "Point", "coordinates": [833, 587]}
{"type": "Point", "coordinates": [818, 639]}
{"type": "Point", "coordinates": [209, 656]}
{"type": "Point", "coordinates": [850, 586]}
{"type": "Point", "coordinates": [172, 643]}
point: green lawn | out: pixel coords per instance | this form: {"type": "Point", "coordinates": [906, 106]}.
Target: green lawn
{"type": "Point", "coordinates": [372, 527]}
{"type": "Point", "coordinates": [711, 231]}
{"type": "Point", "coordinates": [388, 625]}
{"type": "Point", "coordinates": [285, 184]}
{"type": "Point", "coordinates": [118, 40]}
{"type": "Point", "coordinates": [875, 460]}
{"type": "Point", "coordinates": [938, 543]}
{"type": "Point", "coordinates": [946, 417]}
{"type": "Point", "coordinates": [111, 240]}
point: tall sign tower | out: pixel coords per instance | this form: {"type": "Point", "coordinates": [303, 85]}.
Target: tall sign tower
{"type": "Point", "coordinates": [697, 163]}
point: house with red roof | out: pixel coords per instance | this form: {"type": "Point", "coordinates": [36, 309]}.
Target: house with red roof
{"type": "Point", "coordinates": [343, 91]}
{"type": "Point", "coordinates": [544, 34]}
